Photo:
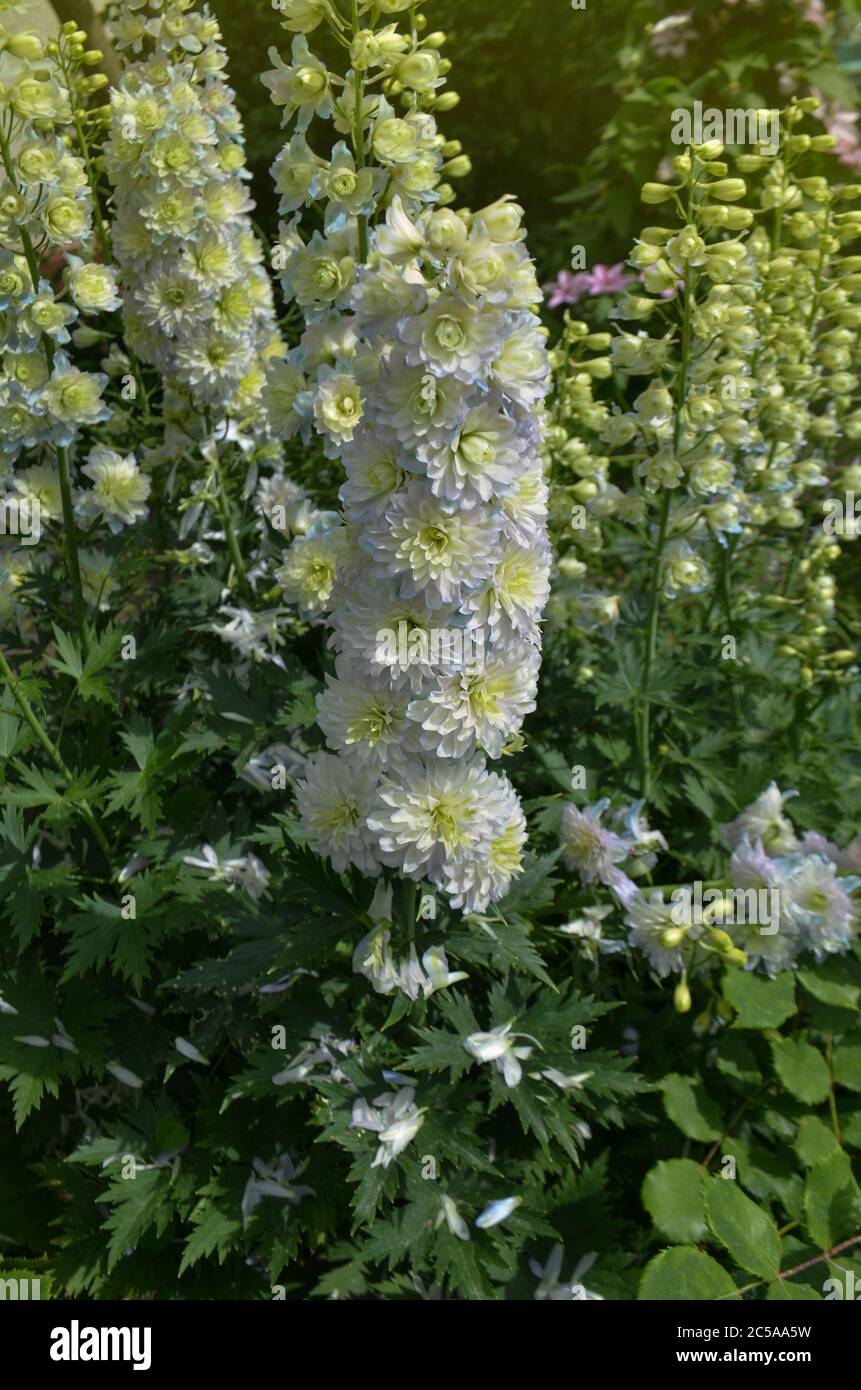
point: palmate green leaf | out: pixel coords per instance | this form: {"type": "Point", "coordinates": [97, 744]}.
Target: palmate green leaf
{"type": "Point", "coordinates": [104, 648]}
{"type": "Point", "coordinates": [42, 788]}
{"type": "Point", "coordinates": [24, 894]}
{"type": "Point", "coordinates": [34, 1073]}
{"type": "Point", "coordinates": [832, 1204]}
{"type": "Point", "coordinates": [673, 1197]}
{"type": "Point", "coordinates": [501, 944]}
{"type": "Point", "coordinates": [440, 1051]}
{"type": "Point", "coordinates": [533, 890]}
{"type": "Point", "coordinates": [690, 1107]}
{"type": "Point", "coordinates": [100, 934]}
{"type": "Point", "coordinates": [459, 1264]}
{"type": "Point", "coordinates": [217, 1221]}
{"type": "Point", "coordinates": [138, 1204]}
{"type": "Point", "coordinates": [802, 1069]}
{"type": "Point", "coordinates": [743, 1228]}
{"type": "Point", "coordinates": [684, 1274]}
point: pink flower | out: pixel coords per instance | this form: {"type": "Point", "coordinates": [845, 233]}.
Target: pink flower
{"type": "Point", "coordinates": [603, 279]}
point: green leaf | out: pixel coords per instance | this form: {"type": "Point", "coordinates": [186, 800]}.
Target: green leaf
{"type": "Point", "coordinates": [673, 1197]}
{"type": "Point", "coordinates": [690, 1107]}
{"type": "Point", "coordinates": [138, 1203]}
{"type": "Point", "coordinates": [685, 1274]}
{"type": "Point", "coordinates": [802, 1069]}
{"type": "Point", "coordinates": [760, 1003]}
{"type": "Point", "coordinates": [736, 1060]}
{"type": "Point", "coordinates": [830, 984]}
{"type": "Point", "coordinates": [814, 1140]}
{"type": "Point", "coordinates": [846, 1065]}
{"type": "Point", "coordinates": [831, 1201]}
{"type": "Point", "coordinates": [743, 1228]}
{"type": "Point", "coordinates": [782, 1291]}
{"type": "Point", "coordinates": [215, 1231]}
{"type": "Point", "coordinates": [100, 934]}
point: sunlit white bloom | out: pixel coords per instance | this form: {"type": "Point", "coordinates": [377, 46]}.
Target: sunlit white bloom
{"type": "Point", "coordinates": [765, 821]}
{"type": "Point", "coordinates": [452, 337]}
{"type": "Point", "coordinates": [512, 600]}
{"type": "Point", "coordinates": [481, 706]}
{"type": "Point", "coordinates": [434, 552]}
{"type": "Point", "coordinates": [814, 900]}
{"type": "Point", "coordinates": [394, 1117]}
{"type": "Point", "coordinates": [500, 1046]}
{"type": "Point", "coordinates": [647, 918]}
{"type": "Point", "coordinates": [487, 874]}
{"type": "Point", "coordinates": [335, 799]}
{"type": "Point", "coordinates": [374, 474]}
{"type": "Point", "coordinates": [367, 718]}
{"type": "Point", "coordinates": [119, 490]}
{"type": "Point", "coordinates": [431, 817]}
{"type": "Point", "coordinates": [309, 569]}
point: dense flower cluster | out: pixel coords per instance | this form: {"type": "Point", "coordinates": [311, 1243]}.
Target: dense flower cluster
{"type": "Point", "coordinates": [46, 205]}
{"type": "Point", "coordinates": [423, 368]}
{"type": "Point", "coordinates": [52, 275]}
{"type": "Point", "coordinates": [198, 300]}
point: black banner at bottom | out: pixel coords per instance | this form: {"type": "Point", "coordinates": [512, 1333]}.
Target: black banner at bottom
{"type": "Point", "coordinates": [67, 1339]}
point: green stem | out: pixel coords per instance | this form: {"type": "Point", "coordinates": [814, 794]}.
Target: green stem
{"type": "Point", "coordinates": [72, 559]}
{"type": "Point", "coordinates": [651, 646]}
{"type": "Point", "coordinates": [651, 636]}
{"type": "Point", "coordinates": [226, 511]}
{"type": "Point", "coordinates": [358, 134]}
{"type": "Point", "coordinates": [32, 719]}
{"type": "Point", "coordinates": [726, 595]}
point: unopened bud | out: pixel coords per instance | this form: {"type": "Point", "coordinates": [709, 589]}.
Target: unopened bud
{"type": "Point", "coordinates": [682, 998]}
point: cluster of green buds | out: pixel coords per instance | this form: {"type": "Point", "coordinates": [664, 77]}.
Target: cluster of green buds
{"type": "Point", "coordinates": [735, 407]}
{"type": "Point", "coordinates": [712, 942]}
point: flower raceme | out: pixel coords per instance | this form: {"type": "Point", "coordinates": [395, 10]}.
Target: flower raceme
{"type": "Point", "coordinates": [198, 298]}
{"type": "Point", "coordinates": [422, 368]}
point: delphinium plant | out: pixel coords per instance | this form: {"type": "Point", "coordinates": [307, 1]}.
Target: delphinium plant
{"type": "Point", "coordinates": [342, 927]}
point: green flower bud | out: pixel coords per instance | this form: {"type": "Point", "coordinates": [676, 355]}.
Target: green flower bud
{"type": "Point", "coordinates": [656, 192]}
{"type": "Point", "coordinates": [727, 190]}
{"type": "Point", "coordinates": [682, 998]}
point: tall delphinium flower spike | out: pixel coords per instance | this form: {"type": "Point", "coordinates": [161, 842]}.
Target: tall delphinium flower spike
{"type": "Point", "coordinates": [198, 299]}
{"type": "Point", "coordinates": [423, 369]}
{"type": "Point", "coordinates": [46, 214]}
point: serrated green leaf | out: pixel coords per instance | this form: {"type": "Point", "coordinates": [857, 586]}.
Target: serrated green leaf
{"type": "Point", "coordinates": [673, 1197]}
{"type": "Point", "coordinates": [684, 1274]}
{"type": "Point", "coordinates": [746, 1231]}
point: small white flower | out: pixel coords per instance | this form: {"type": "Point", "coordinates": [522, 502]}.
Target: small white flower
{"type": "Point", "coordinates": [128, 1078]}
{"type": "Point", "coordinates": [189, 1050]}
{"type": "Point", "coordinates": [499, 1046]}
{"type": "Point", "coordinates": [496, 1212]}
{"type": "Point", "coordinates": [395, 1117]}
